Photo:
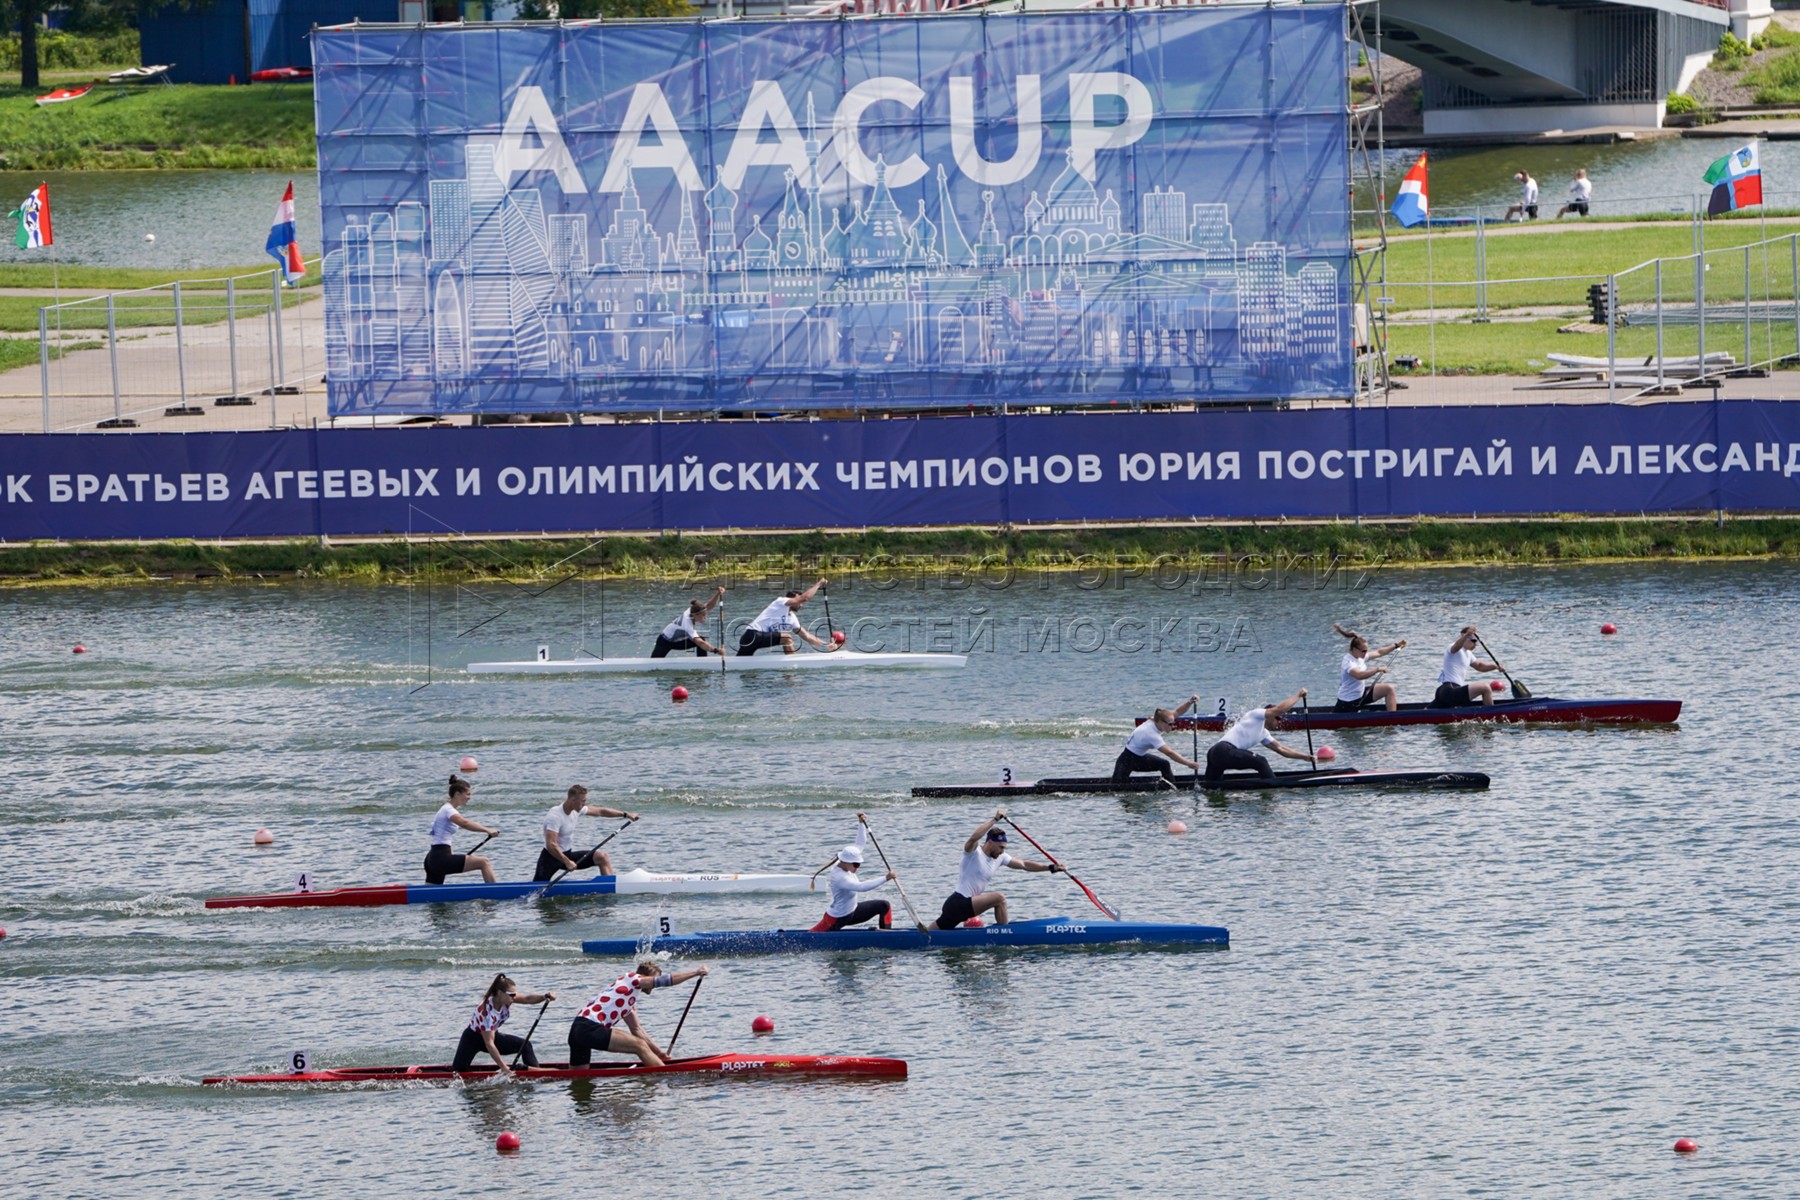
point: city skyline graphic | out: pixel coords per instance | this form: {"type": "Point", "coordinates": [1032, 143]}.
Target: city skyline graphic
{"type": "Point", "coordinates": [1047, 295]}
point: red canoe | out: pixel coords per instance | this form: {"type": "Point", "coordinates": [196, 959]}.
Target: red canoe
{"type": "Point", "coordinates": [726, 1065]}
{"type": "Point", "coordinates": [65, 93]}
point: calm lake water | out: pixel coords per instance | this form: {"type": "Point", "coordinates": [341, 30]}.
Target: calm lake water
{"type": "Point", "coordinates": [1529, 991]}
{"type": "Point", "coordinates": [206, 220]}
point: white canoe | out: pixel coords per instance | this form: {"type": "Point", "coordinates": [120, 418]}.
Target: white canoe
{"type": "Point", "coordinates": [639, 882]}
{"type": "Point", "coordinates": [765, 661]}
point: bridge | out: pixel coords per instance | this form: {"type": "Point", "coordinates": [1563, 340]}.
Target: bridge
{"type": "Point", "coordinates": [1534, 66]}
{"type": "Point", "coordinates": [1493, 67]}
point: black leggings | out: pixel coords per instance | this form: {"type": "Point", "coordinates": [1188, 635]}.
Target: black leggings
{"type": "Point", "coordinates": [1225, 757]}
{"type": "Point", "coordinates": [440, 861]}
{"type": "Point", "coordinates": [753, 640]}
{"type": "Point", "coordinates": [868, 910]}
{"type": "Point", "coordinates": [664, 645]}
{"type": "Point", "coordinates": [548, 866]}
{"type": "Point", "coordinates": [1130, 761]}
{"type": "Point", "coordinates": [585, 1037]}
{"type": "Point", "coordinates": [506, 1043]}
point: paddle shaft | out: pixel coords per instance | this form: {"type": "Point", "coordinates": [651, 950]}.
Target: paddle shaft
{"type": "Point", "coordinates": [1306, 717]}
{"type": "Point", "coordinates": [723, 651]}
{"type": "Point", "coordinates": [1098, 903]}
{"type": "Point", "coordinates": [1495, 659]}
{"type": "Point", "coordinates": [830, 629]}
{"type": "Point", "coordinates": [478, 845]}
{"type": "Point", "coordinates": [698, 980]}
{"type": "Point", "coordinates": [559, 875]}
{"type": "Point", "coordinates": [901, 888]}
{"type": "Point", "coordinates": [528, 1033]}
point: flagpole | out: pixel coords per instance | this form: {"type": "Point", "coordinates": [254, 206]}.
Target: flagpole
{"type": "Point", "coordinates": [1430, 293]}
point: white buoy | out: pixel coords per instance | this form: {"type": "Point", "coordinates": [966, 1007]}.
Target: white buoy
{"type": "Point", "coordinates": [149, 237]}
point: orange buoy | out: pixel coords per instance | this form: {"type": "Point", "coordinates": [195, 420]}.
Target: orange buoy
{"type": "Point", "coordinates": [762, 1024]}
{"type": "Point", "coordinates": [263, 837]}
{"type": "Point", "coordinates": [507, 1142]}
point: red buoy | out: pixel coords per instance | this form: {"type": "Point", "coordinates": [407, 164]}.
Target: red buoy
{"type": "Point", "coordinates": [762, 1024]}
{"type": "Point", "coordinates": [1686, 1145]}
{"type": "Point", "coordinates": [837, 636]}
{"type": "Point", "coordinates": [1327, 754]}
{"type": "Point", "coordinates": [263, 837]}
{"type": "Point", "coordinates": [469, 764]}
{"type": "Point", "coordinates": [1178, 826]}
{"type": "Point", "coordinates": [2, 935]}
{"type": "Point", "coordinates": [79, 649]}
{"type": "Point", "coordinates": [679, 694]}
{"type": "Point", "coordinates": [972, 923]}
{"type": "Point", "coordinates": [1609, 628]}
{"type": "Point", "coordinates": [507, 1142]}
{"type": "Point", "coordinates": [1499, 685]}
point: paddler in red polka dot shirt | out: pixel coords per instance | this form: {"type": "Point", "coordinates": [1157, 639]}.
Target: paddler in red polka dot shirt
{"type": "Point", "coordinates": [596, 1027]}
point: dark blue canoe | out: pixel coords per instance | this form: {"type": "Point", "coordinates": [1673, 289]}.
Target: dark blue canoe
{"type": "Point", "coordinates": [1052, 931]}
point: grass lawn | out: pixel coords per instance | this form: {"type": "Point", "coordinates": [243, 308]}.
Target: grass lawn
{"type": "Point", "coordinates": [19, 314]}
{"type": "Point", "coordinates": [1574, 256]}
{"type": "Point", "coordinates": [185, 126]}
{"type": "Point", "coordinates": [1524, 347]}
{"type": "Point", "coordinates": [23, 352]}
{"type": "Point", "coordinates": [117, 279]}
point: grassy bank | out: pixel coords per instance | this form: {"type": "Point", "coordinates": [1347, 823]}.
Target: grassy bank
{"type": "Point", "coordinates": [186, 126]}
{"type": "Point", "coordinates": [752, 559]}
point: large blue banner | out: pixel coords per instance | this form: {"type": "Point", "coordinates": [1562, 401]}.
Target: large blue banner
{"type": "Point", "coordinates": [718, 475]}
{"type": "Point", "coordinates": [1073, 208]}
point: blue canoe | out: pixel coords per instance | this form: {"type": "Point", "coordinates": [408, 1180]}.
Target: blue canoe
{"type": "Point", "coordinates": [1052, 931]}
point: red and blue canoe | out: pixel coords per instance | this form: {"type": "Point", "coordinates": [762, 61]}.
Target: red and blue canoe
{"type": "Point", "coordinates": [636, 882]}
{"type": "Point", "coordinates": [731, 1066]}
{"type": "Point", "coordinates": [1539, 710]}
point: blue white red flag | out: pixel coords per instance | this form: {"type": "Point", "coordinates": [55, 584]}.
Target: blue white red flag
{"type": "Point", "coordinates": [1413, 204]}
{"type": "Point", "coordinates": [282, 243]}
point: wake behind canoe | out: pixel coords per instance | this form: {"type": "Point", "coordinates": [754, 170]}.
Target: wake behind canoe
{"type": "Point", "coordinates": [1539, 710]}
{"type": "Point", "coordinates": [730, 1065]}
{"type": "Point", "coordinates": [1341, 777]}
{"type": "Point", "coordinates": [629, 883]}
{"type": "Point", "coordinates": [1053, 931]}
{"type": "Point", "coordinates": [767, 661]}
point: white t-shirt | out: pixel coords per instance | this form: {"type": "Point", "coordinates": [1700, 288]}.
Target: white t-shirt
{"type": "Point", "coordinates": [978, 871]}
{"type": "Point", "coordinates": [776, 618]}
{"type": "Point", "coordinates": [1146, 739]}
{"type": "Point", "coordinates": [1249, 730]}
{"type": "Point", "coordinates": [1528, 191]}
{"type": "Point", "coordinates": [1581, 189]}
{"type": "Point", "coordinates": [845, 888]}
{"type": "Point", "coordinates": [1456, 667]}
{"type": "Point", "coordinates": [442, 828]}
{"type": "Point", "coordinates": [681, 627]}
{"type": "Point", "coordinates": [1350, 688]}
{"type": "Point", "coordinates": [563, 825]}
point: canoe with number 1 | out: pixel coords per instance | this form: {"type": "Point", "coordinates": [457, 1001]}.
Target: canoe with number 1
{"type": "Point", "coordinates": [730, 1066]}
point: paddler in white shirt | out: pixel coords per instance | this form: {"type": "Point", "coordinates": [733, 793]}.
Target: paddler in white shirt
{"type": "Point", "coordinates": [595, 1027]}
{"type": "Point", "coordinates": [1454, 689]}
{"type": "Point", "coordinates": [1149, 739]}
{"type": "Point", "coordinates": [846, 907]}
{"type": "Point", "coordinates": [1355, 675]}
{"type": "Point", "coordinates": [779, 624]}
{"type": "Point", "coordinates": [983, 854]}
{"type": "Point", "coordinates": [441, 859]}
{"type": "Point", "coordinates": [1233, 751]}
{"type": "Point", "coordinates": [560, 824]}
{"type": "Point", "coordinates": [680, 633]}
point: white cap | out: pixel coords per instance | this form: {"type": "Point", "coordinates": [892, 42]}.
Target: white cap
{"type": "Point", "coordinates": [850, 854]}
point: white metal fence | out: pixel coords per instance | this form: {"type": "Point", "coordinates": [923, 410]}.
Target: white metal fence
{"type": "Point", "coordinates": [176, 349]}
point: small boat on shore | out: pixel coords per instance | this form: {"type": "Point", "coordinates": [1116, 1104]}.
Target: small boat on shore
{"type": "Point", "coordinates": [840, 660]}
{"type": "Point", "coordinates": [1538, 710]}
{"type": "Point", "coordinates": [733, 1066]}
{"type": "Point", "coordinates": [630, 883]}
{"type": "Point", "coordinates": [1337, 778]}
{"type": "Point", "coordinates": [1049, 932]}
